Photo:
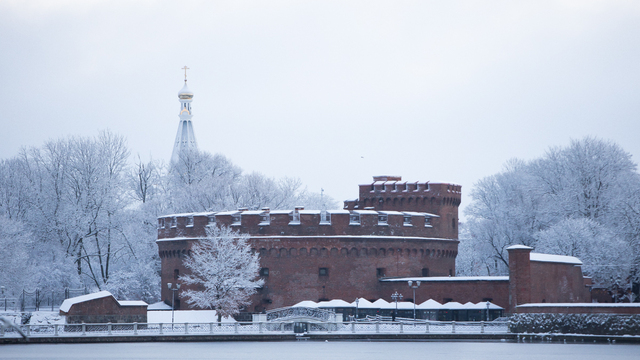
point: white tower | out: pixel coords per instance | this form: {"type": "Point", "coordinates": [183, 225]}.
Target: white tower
{"type": "Point", "coordinates": [185, 139]}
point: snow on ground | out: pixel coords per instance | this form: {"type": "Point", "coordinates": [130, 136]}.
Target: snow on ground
{"type": "Point", "coordinates": [182, 316]}
{"type": "Point", "coordinates": [46, 318]}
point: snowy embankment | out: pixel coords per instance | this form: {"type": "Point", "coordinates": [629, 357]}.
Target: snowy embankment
{"type": "Point", "coordinates": [594, 324]}
{"type": "Point", "coordinates": [185, 316]}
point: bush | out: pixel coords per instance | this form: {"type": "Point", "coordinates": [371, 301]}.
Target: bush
{"type": "Point", "coordinates": [595, 324]}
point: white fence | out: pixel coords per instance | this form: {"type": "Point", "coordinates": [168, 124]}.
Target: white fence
{"type": "Point", "coordinates": [251, 328]}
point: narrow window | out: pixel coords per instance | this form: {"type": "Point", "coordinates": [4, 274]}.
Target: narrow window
{"type": "Point", "coordinates": [453, 223]}
{"type": "Point", "coordinates": [236, 220]}
{"type": "Point", "coordinates": [407, 220]}
{"type": "Point", "coordinates": [160, 223]}
{"type": "Point", "coordinates": [264, 272]}
{"type": "Point", "coordinates": [323, 271]}
{"type": "Point", "coordinates": [427, 221]}
{"type": "Point", "coordinates": [190, 221]}
{"type": "Point", "coordinates": [382, 219]}
{"type": "Point", "coordinates": [425, 272]}
{"type": "Point", "coordinates": [380, 272]}
{"type": "Point", "coordinates": [176, 273]}
{"type": "Point", "coordinates": [354, 219]}
{"type": "Point", "coordinates": [174, 222]}
{"type": "Point", "coordinates": [212, 220]}
{"type": "Point", "coordinates": [265, 219]}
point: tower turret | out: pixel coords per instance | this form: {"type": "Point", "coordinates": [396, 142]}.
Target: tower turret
{"type": "Point", "coordinates": [185, 138]}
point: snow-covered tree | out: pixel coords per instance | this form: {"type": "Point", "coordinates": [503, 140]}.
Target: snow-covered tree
{"type": "Point", "coordinates": [581, 200]}
{"type": "Point", "coordinates": [224, 271]}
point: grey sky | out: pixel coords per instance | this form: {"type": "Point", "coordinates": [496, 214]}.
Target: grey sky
{"type": "Point", "coordinates": [332, 92]}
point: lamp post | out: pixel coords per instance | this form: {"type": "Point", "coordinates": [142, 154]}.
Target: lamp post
{"type": "Point", "coordinates": [357, 300]}
{"type": "Point", "coordinates": [5, 298]}
{"type": "Point", "coordinates": [488, 305]}
{"type": "Point", "coordinates": [414, 287]}
{"type": "Point", "coordinates": [173, 297]}
{"type": "Point", "coordinates": [395, 296]}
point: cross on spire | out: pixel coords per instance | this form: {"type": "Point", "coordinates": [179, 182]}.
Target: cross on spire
{"type": "Point", "coordinates": [185, 73]}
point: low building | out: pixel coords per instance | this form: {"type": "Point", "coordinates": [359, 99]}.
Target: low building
{"type": "Point", "coordinates": [102, 307]}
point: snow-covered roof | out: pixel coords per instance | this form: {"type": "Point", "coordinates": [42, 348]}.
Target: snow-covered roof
{"type": "Point", "coordinates": [176, 215]}
{"type": "Point", "coordinates": [310, 212]}
{"type": "Point", "coordinates": [519, 247]}
{"type": "Point", "coordinates": [453, 305]}
{"type": "Point", "coordinates": [280, 212]}
{"type": "Point", "coordinates": [231, 212]}
{"type": "Point", "coordinates": [390, 212]}
{"type": "Point", "coordinates": [180, 238]}
{"type": "Point", "coordinates": [253, 212]}
{"type": "Point", "coordinates": [430, 304]}
{"type": "Point", "coordinates": [306, 303]}
{"type": "Point", "coordinates": [431, 215]}
{"type": "Point", "coordinates": [333, 303]}
{"type": "Point", "coordinates": [448, 278]}
{"type": "Point", "coordinates": [66, 305]}
{"type": "Point", "coordinates": [364, 304]}
{"type": "Point", "coordinates": [555, 258]}
{"type": "Point", "coordinates": [381, 303]}
{"type": "Point", "coordinates": [160, 305]}
{"type": "Point", "coordinates": [132, 303]}
{"type": "Point", "coordinates": [413, 213]}
{"type": "Point", "coordinates": [365, 212]}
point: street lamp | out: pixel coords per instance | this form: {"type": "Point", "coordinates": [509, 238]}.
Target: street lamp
{"type": "Point", "coordinates": [173, 297]}
{"type": "Point", "coordinates": [357, 300]}
{"type": "Point", "coordinates": [488, 305]}
{"type": "Point", "coordinates": [414, 287]}
{"type": "Point", "coordinates": [395, 296]}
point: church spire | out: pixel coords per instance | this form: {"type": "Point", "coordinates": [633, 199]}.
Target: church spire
{"type": "Point", "coordinates": [185, 139]}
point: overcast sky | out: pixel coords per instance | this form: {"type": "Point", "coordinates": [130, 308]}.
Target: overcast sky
{"type": "Point", "coordinates": [332, 92]}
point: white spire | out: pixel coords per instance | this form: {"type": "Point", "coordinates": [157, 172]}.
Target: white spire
{"type": "Point", "coordinates": [185, 139]}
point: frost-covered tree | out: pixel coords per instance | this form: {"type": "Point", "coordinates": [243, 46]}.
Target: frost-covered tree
{"type": "Point", "coordinates": [223, 270]}
{"type": "Point", "coordinates": [579, 200]}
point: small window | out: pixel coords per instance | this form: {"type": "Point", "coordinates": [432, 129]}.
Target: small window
{"type": "Point", "coordinates": [190, 221]}
{"type": "Point", "coordinates": [264, 272]}
{"type": "Point", "coordinates": [450, 272]}
{"type": "Point", "coordinates": [174, 222]}
{"type": "Point", "coordinates": [453, 223]}
{"type": "Point", "coordinates": [160, 223]}
{"type": "Point", "coordinates": [265, 219]}
{"type": "Point", "coordinates": [380, 272]}
{"type": "Point", "coordinates": [323, 271]}
{"type": "Point", "coordinates": [373, 187]}
{"type": "Point", "coordinates": [427, 221]}
{"type": "Point", "coordinates": [425, 272]}
{"type": "Point", "coordinates": [354, 219]}
{"type": "Point", "coordinates": [176, 273]}
{"type": "Point", "coordinates": [236, 220]}
{"type": "Point", "coordinates": [212, 220]}
{"type": "Point", "coordinates": [382, 219]}
{"type": "Point", "coordinates": [407, 220]}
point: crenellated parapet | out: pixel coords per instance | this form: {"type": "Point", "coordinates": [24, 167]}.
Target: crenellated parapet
{"type": "Point", "coordinates": [390, 193]}
{"type": "Point", "coordinates": [301, 222]}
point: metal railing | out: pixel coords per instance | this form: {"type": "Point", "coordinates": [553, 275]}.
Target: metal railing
{"type": "Point", "coordinates": [254, 328]}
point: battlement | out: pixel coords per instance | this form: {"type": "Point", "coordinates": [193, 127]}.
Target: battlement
{"type": "Point", "coordinates": [390, 193]}
{"type": "Point", "coordinates": [301, 222]}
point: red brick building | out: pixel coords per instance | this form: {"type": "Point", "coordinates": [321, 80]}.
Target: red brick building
{"type": "Point", "coordinates": [319, 255]}
{"type": "Point", "coordinates": [394, 232]}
